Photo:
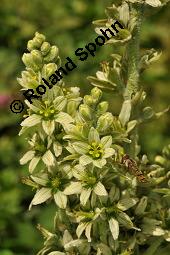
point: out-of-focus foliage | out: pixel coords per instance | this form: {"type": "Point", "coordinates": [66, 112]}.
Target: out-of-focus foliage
{"type": "Point", "coordinates": [65, 23]}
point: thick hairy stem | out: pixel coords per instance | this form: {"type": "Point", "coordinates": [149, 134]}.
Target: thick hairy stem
{"type": "Point", "coordinates": [133, 54]}
{"type": "Point", "coordinates": [133, 57]}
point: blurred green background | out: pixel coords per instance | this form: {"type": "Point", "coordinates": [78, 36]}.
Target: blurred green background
{"type": "Point", "coordinates": [68, 25]}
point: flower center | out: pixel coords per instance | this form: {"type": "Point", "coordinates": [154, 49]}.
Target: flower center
{"type": "Point", "coordinates": [95, 150]}
{"type": "Point", "coordinates": [55, 183]}
{"type": "Point", "coordinates": [48, 112]}
{"type": "Point", "coordinates": [40, 149]}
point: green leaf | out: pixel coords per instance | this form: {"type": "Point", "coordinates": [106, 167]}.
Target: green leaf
{"type": "Point", "coordinates": [114, 228]}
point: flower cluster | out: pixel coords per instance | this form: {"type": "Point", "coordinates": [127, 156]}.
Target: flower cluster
{"type": "Point", "coordinates": [76, 146]}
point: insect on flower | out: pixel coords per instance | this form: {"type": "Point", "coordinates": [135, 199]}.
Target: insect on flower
{"type": "Point", "coordinates": [131, 165]}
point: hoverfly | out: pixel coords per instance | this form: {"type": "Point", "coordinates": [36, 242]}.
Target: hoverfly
{"type": "Point", "coordinates": [131, 165]}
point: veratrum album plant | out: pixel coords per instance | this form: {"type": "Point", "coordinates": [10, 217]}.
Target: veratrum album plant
{"type": "Point", "coordinates": [109, 199]}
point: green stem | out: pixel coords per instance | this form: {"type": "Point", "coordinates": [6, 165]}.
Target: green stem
{"type": "Point", "coordinates": [154, 246]}
{"type": "Point", "coordinates": [133, 56]}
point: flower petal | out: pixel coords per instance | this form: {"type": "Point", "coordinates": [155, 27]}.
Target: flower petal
{"type": "Point", "coordinates": [41, 196]}
{"type": "Point", "coordinates": [100, 189]}
{"type": "Point", "coordinates": [73, 188]}
{"type": "Point", "coordinates": [64, 118]}
{"type": "Point", "coordinates": [85, 194]}
{"type": "Point", "coordinates": [57, 149]}
{"type": "Point", "coordinates": [106, 141]}
{"type": "Point", "coordinates": [48, 126]}
{"type": "Point", "coordinates": [99, 163]}
{"type": "Point", "coordinates": [88, 232]}
{"type": "Point", "coordinates": [93, 136]}
{"type": "Point", "coordinates": [33, 164]}
{"type": "Point", "coordinates": [48, 158]}
{"type": "Point", "coordinates": [31, 121]}
{"type": "Point", "coordinates": [108, 153]}
{"type": "Point", "coordinates": [114, 228]}
{"type": "Point", "coordinates": [85, 160]}
{"type": "Point", "coordinates": [80, 147]}
{"type": "Point", "coordinates": [27, 157]}
{"type": "Point", "coordinates": [60, 199]}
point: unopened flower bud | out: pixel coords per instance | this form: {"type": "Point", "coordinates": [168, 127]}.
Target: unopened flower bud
{"type": "Point", "coordinates": [31, 45]}
{"type": "Point", "coordinates": [52, 55]}
{"type": "Point", "coordinates": [85, 112]}
{"type": "Point", "coordinates": [140, 209]}
{"type": "Point", "coordinates": [45, 48]}
{"type": "Point", "coordinates": [114, 193]}
{"type": "Point", "coordinates": [48, 70]}
{"type": "Point", "coordinates": [28, 61]}
{"type": "Point", "coordinates": [72, 107]}
{"type": "Point", "coordinates": [166, 151]}
{"type": "Point", "coordinates": [104, 122]}
{"type": "Point", "coordinates": [102, 107]}
{"type": "Point", "coordinates": [160, 160]}
{"type": "Point", "coordinates": [96, 93]}
{"type": "Point", "coordinates": [38, 40]}
{"type": "Point", "coordinates": [37, 57]}
{"type": "Point", "coordinates": [88, 100]}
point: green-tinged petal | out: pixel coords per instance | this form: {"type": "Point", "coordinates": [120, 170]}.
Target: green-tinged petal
{"type": "Point", "coordinates": [81, 227]}
{"type": "Point", "coordinates": [33, 164]}
{"type": "Point", "coordinates": [154, 3]}
{"type": "Point", "coordinates": [93, 136]}
{"type": "Point", "coordinates": [85, 194]}
{"type": "Point", "coordinates": [73, 188]}
{"type": "Point", "coordinates": [60, 199]}
{"type": "Point", "coordinates": [106, 141]}
{"type": "Point", "coordinates": [27, 157]}
{"type": "Point", "coordinates": [108, 153]}
{"type": "Point", "coordinates": [60, 102]}
{"type": "Point", "coordinates": [126, 203]}
{"type": "Point", "coordinates": [31, 121]}
{"type": "Point", "coordinates": [85, 160]}
{"type": "Point", "coordinates": [114, 228]}
{"type": "Point", "coordinates": [64, 118]}
{"type": "Point", "coordinates": [48, 126]}
{"type": "Point", "coordinates": [99, 163]}
{"type": "Point", "coordinates": [57, 253]}
{"type": "Point", "coordinates": [32, 106]}
{"type": "Point", "coordinates": [57, 149]}
{"type": "Point", "coordinates": [80, 147]}
{"type": "Point", "coordinates": [100, 189]}
{"type": "Point", "coordinates": [125, 220]}
{"type": "Point", "coordinates": [42, 179]}
{"type": "Point", "coordinates": [125, 113]}
{"type": "Point", "coordinates": [67, 237]}
{"type": "Point", "coordinates": [88, 232]}
{"type": "Point", "coordinates": [48, 158]}
{"type": "Point", "coordinates": [41, 196]}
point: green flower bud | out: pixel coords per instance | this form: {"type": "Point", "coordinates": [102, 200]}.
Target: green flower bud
{"type": "Point", "coordinates": [160, 160]}
{"type": "Point", "coordinates": [123, 34]}
{"type": "Point", "coordinates": [114, 193]}
{"type": "Point", "coordinates": [96, 93]}
{"type": "Point", "coordinates": [166, 151]}
{"type": "Point", "coordinates": [104, 122]}
{"type": "Point", "coordinates": [37, 58]}
{"type": "Point", "coordinates": [28, 61]}
{"type": "Point", "coordinates": [45, 48]}
{"type": "Point", "coordinates": [102, 107]}
{"type": "Point", "coordinates": [48, 70]}
{"type": "Point", "coordinates": [140, 209]}
{"type": "Point", "coordinates": [38, 40]}
{"type": "Point", "coordinates": [52, 55]}
{"type": "Point", "coordinates": [88, 100]}
{"type": "Point", "coordinates": [85, 112]}
{"type": "Point", "coordinates": [31, 45]}
{"type": "Point", "coordinates": [72, 107]}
